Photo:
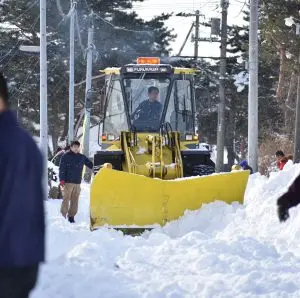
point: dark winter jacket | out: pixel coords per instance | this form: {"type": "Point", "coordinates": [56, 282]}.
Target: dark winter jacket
{"type": "Point", "coordinates": [283, 161]}
{"type": "Point", "coordinates": [292, 197]}
{"type": "Point", "coordinates": [21, 196]}
{"type": "Point", "coordinates": [71, 166]}
{"type": "Point", "coordinates": [245, 166]}
{"type": "Point", "coordinates": [147, 115]}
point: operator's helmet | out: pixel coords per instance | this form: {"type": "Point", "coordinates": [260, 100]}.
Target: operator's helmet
{"type": "Point", "coordinates": [236, 168]}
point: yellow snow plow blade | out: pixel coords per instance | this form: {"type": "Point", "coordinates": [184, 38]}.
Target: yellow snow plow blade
{"type": "Point", "coordinates": [120, 199]}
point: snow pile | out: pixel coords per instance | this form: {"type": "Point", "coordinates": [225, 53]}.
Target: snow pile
{"type": "Point", "coordinates": [219, 251]}
{"type": "Point", "coordinates": [54, 171]}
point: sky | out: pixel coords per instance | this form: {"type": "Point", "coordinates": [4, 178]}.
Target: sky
{"type": "Point", "coordinates": [181, 25]}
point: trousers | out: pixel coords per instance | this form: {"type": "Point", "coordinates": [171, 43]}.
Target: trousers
{"type": "Point", "coordinates": [69, 204]}
{"type": "Point", "coordinates": [17, 282]}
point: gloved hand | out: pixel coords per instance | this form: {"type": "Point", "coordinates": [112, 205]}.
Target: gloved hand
{"type": "Point", "coordinates": [62, 183]}
{"type": "Point", "coordinates": [283, 213]}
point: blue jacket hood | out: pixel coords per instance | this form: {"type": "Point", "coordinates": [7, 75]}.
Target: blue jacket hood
{"type": "Point", "coordinates": [8, 118]}
{"type": "Point", "coordinates": [22, 227]}
{"type": "Point", "coordinates": [244, 163]}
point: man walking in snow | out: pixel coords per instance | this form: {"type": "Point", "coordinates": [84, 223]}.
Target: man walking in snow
{"type": "Point", "coordinates": [70, 174]}
{"type": "Point", "coordinates": [22, 229]}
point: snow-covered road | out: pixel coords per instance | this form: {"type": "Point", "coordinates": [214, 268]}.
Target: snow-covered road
{"type": "Point", "coordinates": [218, 251]}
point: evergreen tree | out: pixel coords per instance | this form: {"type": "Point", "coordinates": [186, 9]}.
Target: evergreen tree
{"type": "Point", "coordinates": [281, 48]}
{"type": "Point", "coordinates": [120, 36]}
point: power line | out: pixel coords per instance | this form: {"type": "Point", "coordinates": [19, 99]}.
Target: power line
{"type": "Point", "coordinates": [183, 5]}
{"type": "Point", "coordinates": [111, 24]}
{"type": "Point", "coordinates": [31, 28]}
{"type": "Point", "coordinates": [87, 5]}
{"type": "Point", "coordinates": [241, 9]}
{"type": "Point", "coordinates": [242, 2]}
{"type": "Point", "coordinates": [61, 12]}
{"type": "Point", "coordinates": [78, 33]}
{"type": "Point", "coordinates": [7, 54]}
{"type": "Point", "coordinates": [9, 51]}
{"type": "Point", "coordinates": [60, 9]}
{"type": "Point", "coordinates": [26, 79]}
{"type": "Point", "coordinates": [24, 12]}
{"type": "Point", "coordinates": [179, 4]}
{"type": "Point", "coordinates": [120, 28]}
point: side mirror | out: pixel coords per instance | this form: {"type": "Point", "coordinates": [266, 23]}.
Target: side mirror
{"type": "Point", "coordinates": [100, 130]}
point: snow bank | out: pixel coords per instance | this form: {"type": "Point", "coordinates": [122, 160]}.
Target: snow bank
{"type": "Point", "coordinates": [219, 251]}
{"type": "Point", "coordinates": [55, 170]}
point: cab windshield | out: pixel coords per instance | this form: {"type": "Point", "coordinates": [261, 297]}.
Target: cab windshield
{"type": "Point", "coordinates": [146, 98]}
{"type": "Point", "coordinates": [180, 108]}
{"type": "Point", "coordinates": [115, 117]}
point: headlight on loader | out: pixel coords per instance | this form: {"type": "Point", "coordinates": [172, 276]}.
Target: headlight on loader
{"type": "Point", "coordinates": [110, 138]}
{"type": "Point", "coordinates": [189, 137]}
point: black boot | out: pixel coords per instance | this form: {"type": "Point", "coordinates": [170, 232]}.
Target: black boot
{"type": "Point", "coordinates": [71, 219]}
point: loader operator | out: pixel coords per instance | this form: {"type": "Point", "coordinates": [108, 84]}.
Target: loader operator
{"type": "Point", "coordinates": [147, 115]}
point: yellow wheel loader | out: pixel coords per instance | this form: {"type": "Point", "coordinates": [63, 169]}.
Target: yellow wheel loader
{"type": "Point", "coordinates": [151, 168]}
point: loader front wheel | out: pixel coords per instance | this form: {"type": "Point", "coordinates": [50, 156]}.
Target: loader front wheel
{"type": "Point", "coordinates": [203, 170]}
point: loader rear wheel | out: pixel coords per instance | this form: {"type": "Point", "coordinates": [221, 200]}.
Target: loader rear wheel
{"type": "Point", "coordinates": [203, 170]}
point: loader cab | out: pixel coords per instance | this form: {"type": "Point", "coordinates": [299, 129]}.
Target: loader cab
{"type": "Point", "coordinates": [142, 97]}
{"type": "Point", "coordinates": [145, 102]}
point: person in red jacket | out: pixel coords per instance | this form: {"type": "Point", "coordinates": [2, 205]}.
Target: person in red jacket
{"type": "Point", "coordinates": [282, 159]}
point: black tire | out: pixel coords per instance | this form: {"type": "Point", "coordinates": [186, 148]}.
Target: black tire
{"type": "Point", "coordinates": [203, 170]}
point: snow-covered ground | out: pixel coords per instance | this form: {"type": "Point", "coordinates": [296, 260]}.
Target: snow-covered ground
{"type": "Point", "coordinates": [219, 251]}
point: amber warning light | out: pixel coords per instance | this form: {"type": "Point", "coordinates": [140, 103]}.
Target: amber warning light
{"type": "Point", "coordinates": [148, 60]}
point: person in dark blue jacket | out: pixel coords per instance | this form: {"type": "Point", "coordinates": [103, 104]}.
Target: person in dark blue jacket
{"type": "Point", "coordinates": [22, 229]}
{"type": "Point", "coordinates": [245, 166]}
{"type": "Point", "coordinates": [70, 175]}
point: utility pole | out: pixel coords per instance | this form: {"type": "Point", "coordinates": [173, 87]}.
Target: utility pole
{"type": "Point", "coordinates": [71, 74]}
{"type": "Point", "coordinates": [196, 38]}
{"type": "Point", "coordinates": [43, 95]}
{"type": "Point", "coordinates": [222, 103]}
{"type": "Point", "coordinates": [86, 125]}
{"type": "Point", "coordinates": [197, 25]}
{"type": "Point", "coordinates": [186, 39]}
{"type": "Point", "coordinates": [297, 121]}
{"type": "Point", "coordinates": [253, 87]}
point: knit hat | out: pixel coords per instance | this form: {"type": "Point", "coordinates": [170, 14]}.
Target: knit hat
{"type": "Point", "coordinates": [3, 89]}
{"type": "Point", "coordinates": [244, 163]}
{"type": "Point", "coordinates": [235, 168]}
